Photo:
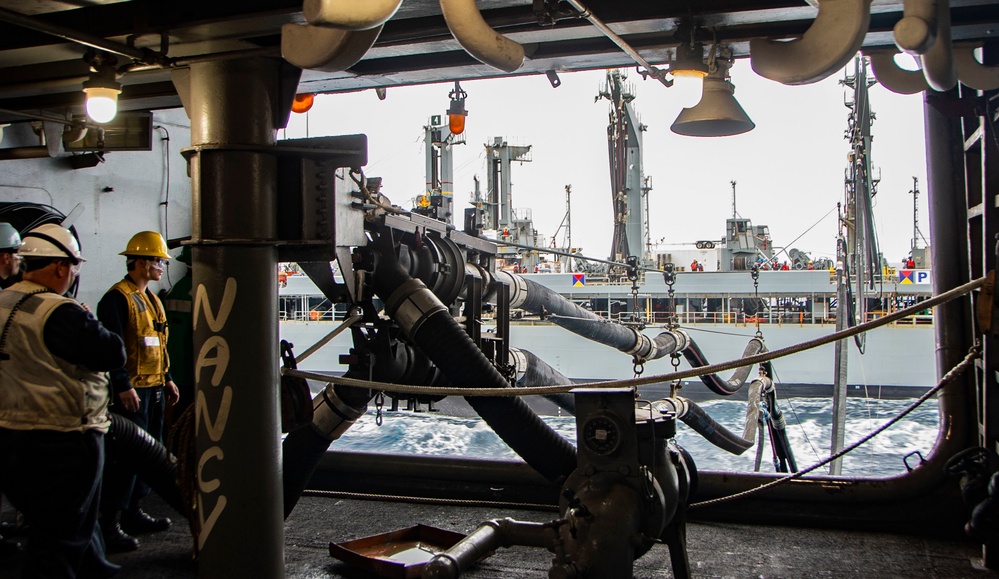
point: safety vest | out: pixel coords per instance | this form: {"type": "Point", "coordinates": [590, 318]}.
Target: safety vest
{"type": "Point", "coordinates": [39, 391]}
{"type": "Point", "coordinates": [145, 337]}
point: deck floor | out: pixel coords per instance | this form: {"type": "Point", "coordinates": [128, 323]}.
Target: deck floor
{"type": "Point", "coordinates": [715, 550]}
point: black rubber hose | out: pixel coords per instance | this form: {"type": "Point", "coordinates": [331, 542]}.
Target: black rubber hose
{"type": "Point", "coordinates": [715, 433]}
{"type": "Point", "coordinates": [512, 419]}
{"type": "Point", "coordinates": [566, 314]}
{"type": "Point", "coordinates": [695, 357]}
{"type": "Point", "coordinates": [577, 320]}
{"type": "Point", "coordinates": [127, 442]}
{"type": "Point", "coordinates": [448, 346]}
{"type": "Point", "coordinates": [778, 433]}
{"type": "Point", "coordinates": [304, 447]}
{"type": "Point", "coordinates": [540, 373]}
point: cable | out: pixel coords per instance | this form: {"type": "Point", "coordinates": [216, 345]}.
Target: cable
{"type": "Point", "coordinates": [165, 204]}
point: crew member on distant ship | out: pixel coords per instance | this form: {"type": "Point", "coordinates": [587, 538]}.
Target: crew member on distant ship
{"type": "Point", "coordinates": [53, 408]}
{"type": "Point", "coordinates": [693, 265]}
{"type": "Point", "coordinates": [10, 261]}
{"type": "Point", "coordinates": [141, 388]}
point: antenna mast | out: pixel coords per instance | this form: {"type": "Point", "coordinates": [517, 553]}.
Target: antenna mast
{"type": "Point", "coordinates": [915, 213]}
{"type": "Point", "coordinates": [734, 213]}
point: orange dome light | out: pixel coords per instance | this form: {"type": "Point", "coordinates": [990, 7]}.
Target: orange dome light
{"type": "Point", "coordinates": [303, 102]}
{"type": "Point", "coordinates": [456, 124]}
{"type": "Point", "coordinates": [456, 113]}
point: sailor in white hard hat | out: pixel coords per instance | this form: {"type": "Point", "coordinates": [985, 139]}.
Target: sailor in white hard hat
{"type": "Point", "coordinates": [54, 356]}
{"type": "Point", "coordinates": [10, 261]}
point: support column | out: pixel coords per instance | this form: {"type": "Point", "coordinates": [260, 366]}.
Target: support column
{"type": "Point", "coordinates": [231, 107]}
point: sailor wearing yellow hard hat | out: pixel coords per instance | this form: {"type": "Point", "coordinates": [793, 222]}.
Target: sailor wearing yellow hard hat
{"type": "Point", "coordinates": [142, 388]}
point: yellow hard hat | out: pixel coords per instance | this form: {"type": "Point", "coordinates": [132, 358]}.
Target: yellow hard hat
{"type": "Point", "coordinates": [147, 244]}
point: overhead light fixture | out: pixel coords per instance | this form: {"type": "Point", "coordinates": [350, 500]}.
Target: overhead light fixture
{"type": "Point", "coordinates": [102, 89]}
{"type": "Point", "coordinates": [303, 102]}
{"type": "Point", "coordinates": [689, 71]}
{"type": "Point", "coordinates": [717, 114]}
{"type": "Point", "coordinates": [456, 113]}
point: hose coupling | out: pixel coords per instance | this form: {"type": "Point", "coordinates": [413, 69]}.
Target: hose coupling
{"type": "Point", "coordinates": [411, 304]}
{"type": "Point", "coordinates": [331, 416]}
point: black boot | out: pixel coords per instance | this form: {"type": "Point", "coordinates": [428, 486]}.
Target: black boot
{"type": "Point", "coordinates": [115, 539]}
{"type": "Point", "coordinates": [138, 522]}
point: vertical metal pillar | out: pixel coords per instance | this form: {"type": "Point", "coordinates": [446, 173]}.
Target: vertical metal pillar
{"type": "Point", "coordinates": [840, 381]}
{"type": "Point", "coordinates": [232, 109]}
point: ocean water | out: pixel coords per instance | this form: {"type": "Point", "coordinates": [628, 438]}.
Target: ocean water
{"type": "Point", "coordinates": [808, 427]}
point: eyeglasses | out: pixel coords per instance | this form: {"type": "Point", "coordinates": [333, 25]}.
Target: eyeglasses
{"type": "Point", "coordinates": [155, 260]}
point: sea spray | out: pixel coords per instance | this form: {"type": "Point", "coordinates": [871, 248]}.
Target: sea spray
{"type": "Point", "coordinates": [808, 427]}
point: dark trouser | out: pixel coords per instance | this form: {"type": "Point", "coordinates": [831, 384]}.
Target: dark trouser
{"type": "Point", "coordinates": [54, 479]}
{"type": "Point", "coordinates": [122, 489]}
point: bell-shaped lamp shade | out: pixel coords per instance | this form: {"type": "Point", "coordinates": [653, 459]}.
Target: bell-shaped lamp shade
{"type": "Point", "coordinates": [102, 103]}
{"type": "Point", "coordinates": [687, 87]}
{"type": "Point", "coordinates": [717, 115]}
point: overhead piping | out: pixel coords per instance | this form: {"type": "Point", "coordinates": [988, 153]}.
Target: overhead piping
{"type": "Point", "coordinates": [139, 54]}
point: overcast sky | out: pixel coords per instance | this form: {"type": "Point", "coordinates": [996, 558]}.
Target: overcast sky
{"type": "Point", "coordinates": [789, 170]}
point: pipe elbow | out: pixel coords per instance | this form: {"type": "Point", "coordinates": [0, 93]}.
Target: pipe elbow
{"type": "Point", "coordinates": [938, 60]}
{"type": "Point", "coordinates": [893, 78]}
{"type": "Point", "coordinates": [478, 38]}
{"type": "Point", "coordinates": [972, 73]}
{"type": "Point", "coordinates": [829, 43]}
{"type": "Point", "coordinates": [326, 49]}
{"type": "Point", "coordinates": [347, 15]}
{"type": "Point", "coordinates": [916, 32]}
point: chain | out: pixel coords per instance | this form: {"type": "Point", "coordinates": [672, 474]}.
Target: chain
{"type": "Point", "coordinates": [632, 272]}
{"type": "Point", "coordinates": [755, 272]}
{"type": "Point", "coordinates": [669, 276]}
{"type": "Point", "coordinates": [639, 366]}
{"type": "Point", "coordinates": [674, 359]}
{"type": "Point", "coordinates": [379, 403]}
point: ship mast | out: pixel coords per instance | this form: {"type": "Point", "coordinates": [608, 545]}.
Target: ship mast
{"type": "Point", "coordinates": [858, 260]}
{"type": "Point", "coordinates": [624, 148]}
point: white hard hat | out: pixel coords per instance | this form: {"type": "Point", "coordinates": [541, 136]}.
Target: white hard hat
{"type": "Point", "coordinates": [50, 240]}
{"type": "Point", "coordinates": [9, 238]}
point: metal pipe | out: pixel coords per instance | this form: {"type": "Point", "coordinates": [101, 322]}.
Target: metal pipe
{"type": "Point", "coordinates": [478, 39]}
{"type": "Point", "coordinates": [485, 540]}
{"type": "Point", "coordinates": [233, 226]}
{"type": "Point", "coordinates": [17, 153]}
{"type": "Point", "coordinates": [949, 230]}
{"type": "Point", "coordinates": [620, 42]}
{"type": "Point", "coordinates": [347, 15]}
{"type": "Point", "coordinates": [140, 54]}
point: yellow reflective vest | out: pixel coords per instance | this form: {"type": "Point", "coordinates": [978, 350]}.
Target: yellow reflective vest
{"type": "Point", "coordinates": [145, 337]}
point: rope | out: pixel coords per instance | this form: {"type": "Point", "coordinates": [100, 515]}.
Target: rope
{"type": "Point", "coordinates": [644, 381]}
{"type": "Point", "coordinates": [953, 373]}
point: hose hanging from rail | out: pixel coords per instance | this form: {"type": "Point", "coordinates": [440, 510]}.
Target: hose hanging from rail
{"type": "Point", "coordinates": [696, 358]}
{"type": "Point", "coordinates": [533, 371]}
{"type": "Point", "coordinates": [535, 298]}
{"type": "Point", "coordinates": [696, 418]}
